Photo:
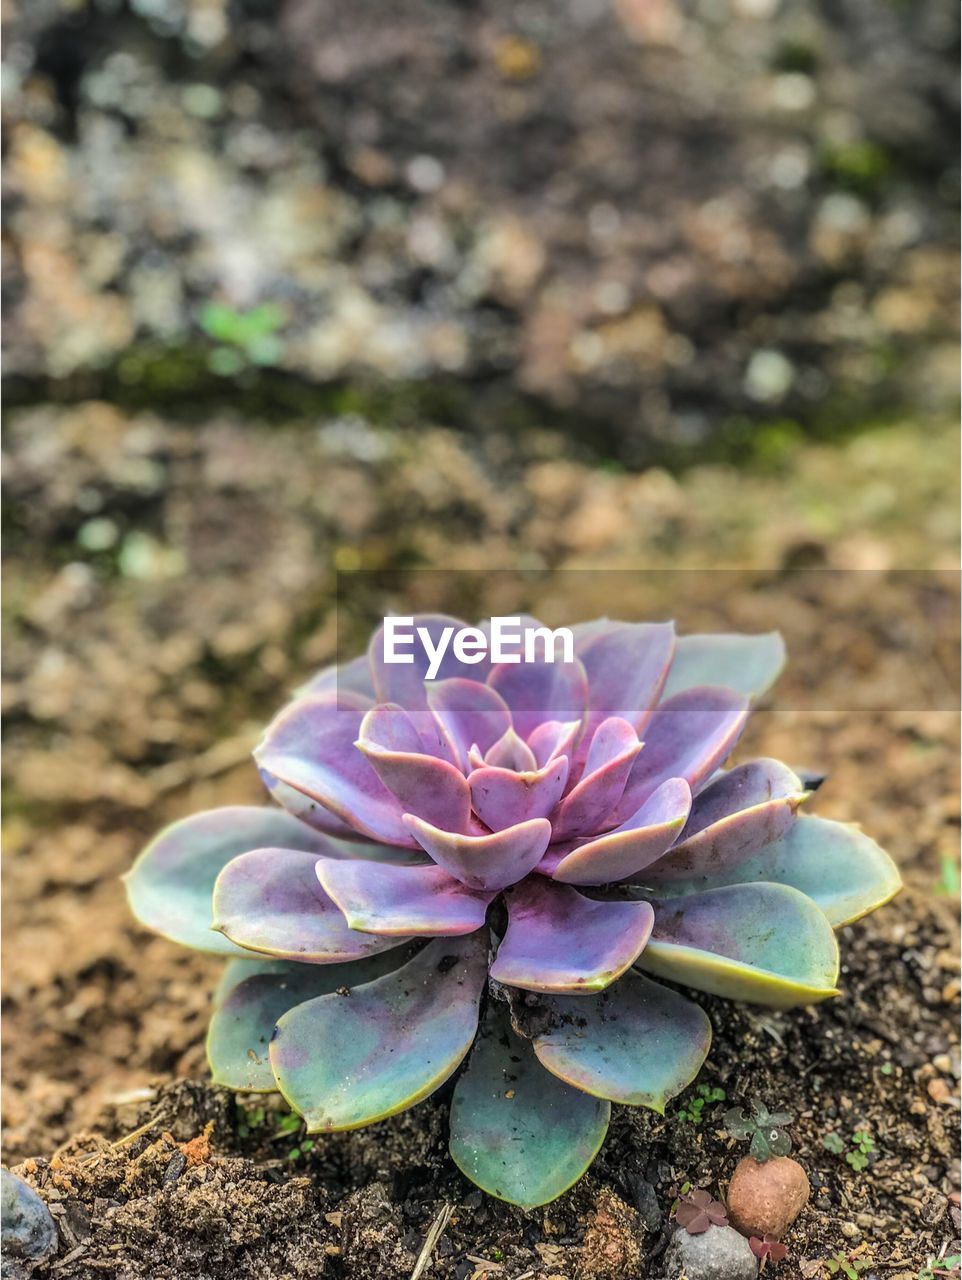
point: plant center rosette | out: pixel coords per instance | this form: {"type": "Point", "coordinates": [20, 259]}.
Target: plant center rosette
{"type": "Point", "coordinates": [486, 869]}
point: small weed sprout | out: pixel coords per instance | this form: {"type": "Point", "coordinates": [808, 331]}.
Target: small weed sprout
{"type": "Point", "coordinates": [767, 1249]}
{"type": "Point", "coordinates": [697, 1210]}
{"type": "Point", "coordinates": [847, 1264]}
{"type": "Point", "coordinates": [948, 882]}
{"type": "Point", "coordinates": [693, 1112]}
{"type": "Point", "coordinates": [253, 1118]}
{"type": "Point", "coordinates": [863, 1148]}
{"type": "Point", "coordinates": [244, 338]}
{"type": "Point", "coordinates": [289, 1123]}
{"type": "Point", "coordinates": [765, 1128]}
{"type": "Point", "coordinates": [942, 1268]}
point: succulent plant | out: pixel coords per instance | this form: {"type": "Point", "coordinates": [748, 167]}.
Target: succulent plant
{"type": "Point", "coordinates": [698, 1210]}
{"type": "Point", "coordinates": [489, 868]}
{"type": "Point", "coordinates": [765, 1128]}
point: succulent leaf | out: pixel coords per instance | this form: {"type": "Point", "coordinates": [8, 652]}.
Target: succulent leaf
{"type": "Point", "coordinates": [429, 788]}
{"type": "Point", "coordinates": [310, 747]}
{"type": "Point", "coordinates": [487, 861]}
{"type": "Point", "coordinates": [553, 738]}
{"type": "Point", "coordinates": [357, 850]}
{"type": "Point", "coordinates": [305, 809]}
{"type": "Point", "coordinates": [502, 798]}
{"type": "Point", "coordinates": [688, 737]}
{"type": "Point", "coordinates": [344, 1061]}
{"type": "Point", "coordinates": [408, 901]}
{"type": "Point", "coordinates": [626, 664]}
{"type": "Point", "coordinates": [837, 865]}
{"type": "Point", "coordinates": [765, 944]}
{"type": "Point", "coordinates": [613, 749]}
{"type": "Point", "coordinates": [342, 841]}
{"type": "Point", "coordinates": [559, 941]}
{"type": "Point", "coordinates": [509, 752]}
{"type": "Point", "coordinates": [270, 901]}
{"type": "Point", "coordinates": [244, 1016]}
{"type": "Point", "coordinates": [469, 714]}
{"type": "Point", "coordinates": [348, 677]}
{"type": "Point", "coordinates": [834, 863]}
{"type": "Point", "coordinates": [517, 1131]}
{"type": "Point", "coordinates": [746, 664]}
{"type": "Point", "coordinates": [391, 728]}
{"type": "Point", "coordinates": [637, 1043]}
{"type": "Point", "coordinates": [739, 813]}
{"type": "Point", "coordinates": [169, 886]}
{"type": "Point", "coordinates": [237, 971]}
{"type": "Point", "coordinates": [538, 691]}
{"type": "Point", "coordinates": [629, 848]}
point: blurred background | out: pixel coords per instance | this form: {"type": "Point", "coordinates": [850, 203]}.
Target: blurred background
{"type": "Point", "coordinates": [301, 288]}
{"type": "Point", "coordinates": [674, 229]}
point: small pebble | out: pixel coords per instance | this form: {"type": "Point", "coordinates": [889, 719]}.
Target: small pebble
{"type": "Point", "coordinates": [764, 1199]}
{"type": "Point", "coordinates": [938, 1090]}
{"type": "Point", "coordinates": [28, 1230]}
{"type": "Point", "coordinates": [719, 1253]}
{"type": "Point", "coordinates": [646, 1202]}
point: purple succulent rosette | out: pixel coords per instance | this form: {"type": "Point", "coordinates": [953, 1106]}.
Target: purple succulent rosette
{"type": "Point", "coordinates": [488, 869]}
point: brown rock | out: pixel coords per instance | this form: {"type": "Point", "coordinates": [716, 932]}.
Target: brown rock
{"type": "Point", "coordinates": [765, 1199]}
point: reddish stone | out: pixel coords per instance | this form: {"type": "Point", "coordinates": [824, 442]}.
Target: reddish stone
{"type": "Point", "coordinates": [765, 1199]}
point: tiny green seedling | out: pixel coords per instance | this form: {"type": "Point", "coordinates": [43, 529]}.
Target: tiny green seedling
{"type": "Point", "coordinates": [863, 1147]}
{"type": "Point", "coordinates": [287, 1126]}
{"type": "Point", "coordinates": [291, 1122]}
{"type": "Point", "coordinates": [693, 1112]}
{"type": "Point", "coordinates": [948, 882]}
{"type": "Point", "coordinates": [847, 1264]}
{"type": "Point", "coordinates": [682, 1192]}
{"type": "Point", "coordinates": [254, 1118]}
{"type": "Point", "coordinates": [945, 1268]}
{"type": "Point", "coordinates": [306, 1146]}
{"type": "Point", "coordinates": [244, 337]}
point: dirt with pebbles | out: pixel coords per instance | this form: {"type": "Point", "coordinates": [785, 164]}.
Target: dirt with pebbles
{"type": "Point", "coordinates": [166, 587]}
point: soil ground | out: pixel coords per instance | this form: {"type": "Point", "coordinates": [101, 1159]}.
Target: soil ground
{"type": "Point", "coordinates": [168, 584]}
